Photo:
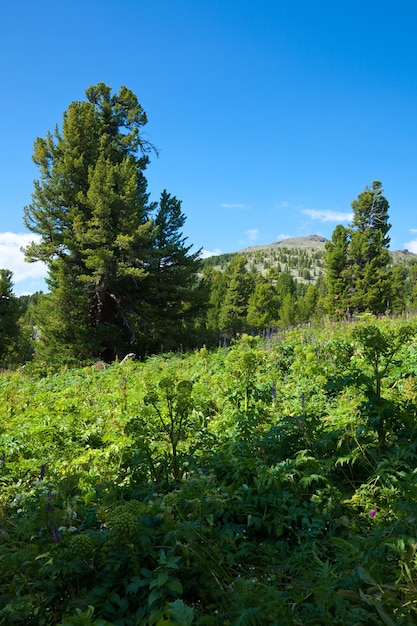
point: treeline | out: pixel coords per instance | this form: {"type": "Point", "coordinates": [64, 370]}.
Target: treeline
{"type": "Point", "coordinates": [242, 300]}
{"type": "Point", "coordinates": [305, 265]}
{"type": "Point", "coordinates": [233, 300]}
{"type": "Point", "coordinates": [359, 276]}
{"type": "Point", "coordinates": [122, 277]}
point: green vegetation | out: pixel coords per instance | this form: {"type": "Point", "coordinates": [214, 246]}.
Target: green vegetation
{"type": "Point", "coordinates": [270, 481]}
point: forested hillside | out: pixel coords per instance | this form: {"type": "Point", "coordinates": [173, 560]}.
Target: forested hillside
{"type": "Point", "coordinates": [302, 257]}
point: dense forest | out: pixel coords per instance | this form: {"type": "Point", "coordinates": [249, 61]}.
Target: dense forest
{"type": "Point", "coordinates": [218, 442]}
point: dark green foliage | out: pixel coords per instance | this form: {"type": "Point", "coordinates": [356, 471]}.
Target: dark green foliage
{"type": "Point", "coordinates": [9, 315]}
{"type": "Point", "coordinates": [335, 263]}
{"type": "Point", "coordinates": [175, 300]}
{"type": "Point", "coordinates": [263, 306]}
{"type": "Point", "coordinates": [357, 258]}
{"type": "Point", "coordinates": [111, 264]}
{"type": "Point", "coordinates": [14, 339]}
{"type": "Point", "coordinates": [360, 275]}
{"type": "Point", "coordinates": [234, 307]}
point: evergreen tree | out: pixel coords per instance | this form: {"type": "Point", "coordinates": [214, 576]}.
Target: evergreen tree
{"type": "Point", "coordinates": [285, 285]}
{"type": "Point", "coordinates": [216, 282]}
{"type": "Point", "coordinates": [288, 311]}
{"type": "Point", "coordinates": [9, 320]}
{"type": "Point", "coordinates": [398, 294]}
{"type": "Point", "coordinates": [233, 312]}
{"type": "Point", "coordinates": [336, 260]}
{"type": "Point", "coordinates": [175, 299]}
{"type": "Point", "coordinates": [91, 208]}
{"type": "Point", "coordinates": [413, 286]}
{"type": "Point", "coordinates": [263, 306]}
{"type": "Point", "coordinates": [370, 213]}
{"type": "Point", "coordinates": [307, 304]}
{"type": "Point", "coordinates": [356, 260]}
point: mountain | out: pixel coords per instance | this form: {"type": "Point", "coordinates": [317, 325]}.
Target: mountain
{"type": "Point", "coordinates": [302, 257]}
{"type": "Point", "coordinates": [311, 242]}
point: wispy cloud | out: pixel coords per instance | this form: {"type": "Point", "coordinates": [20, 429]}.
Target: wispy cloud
{"type": "Point", "coordinates": [234, 205]}
{"type": "Point", "coordinates": [283, 236]}
{"type": "Point", "coordinates": [327, 216]}
{"type": "Point", "coordinates": [205, 254]}
{"type": "Point", "coordinates": [12, 258]}
{"type": "Point", "coordinates": [252, 234]}
{"type": "Point", "coordinates": [282, 205]}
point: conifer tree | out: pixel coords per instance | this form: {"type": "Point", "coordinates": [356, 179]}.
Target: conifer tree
{"type": "Point", "coordinates": [233, 311]}
{"type": "Point", "coordinates": [357, 258]}
{"type": "Point", "coordinates": [216, 283]}
{"type": "Point", "coordinates": [307, 304]}
{"type": "Point", "coordinates": [263, 306]}
{"type": "Point", "coordinates": [91, 208]}
{"type": "Point", "coordinates": [336, 261]}
{"type": "Point", "coordinates": [175, 299]}
{"type": "Point", "coordinates": [9, 319]}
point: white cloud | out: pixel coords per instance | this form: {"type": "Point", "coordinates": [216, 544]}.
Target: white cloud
{"type": "Point", "coordinates": [328, 216]}
{"type": "Point", "coordinates": [12, 258]}
{"type": "Point", "coordinates": [234, 205]}
{"type": "Point", "coordinates": [282, 205]}
{"type": "Point", "coordinates": [411, 245]}
{"type": "Point", "coordinates": [205, 254]}
{"type": "Point", "coordinates": [253, 234]}
{"type": "Point", "coordinates": [283, 236]}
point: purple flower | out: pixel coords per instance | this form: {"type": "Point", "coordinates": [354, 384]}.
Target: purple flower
{"type": "Point", "coordinates": [42, 473]}
{"type": "Point", "coordinates": [372, 512]}
{"type": "Point", "coordinates": [55, 533]}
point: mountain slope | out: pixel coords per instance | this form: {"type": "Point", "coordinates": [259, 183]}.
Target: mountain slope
{"type": "Point", "coordinates": [302, 257]}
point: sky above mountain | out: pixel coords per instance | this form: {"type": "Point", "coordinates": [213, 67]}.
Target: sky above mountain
{"type": "Point", "coordinates": [269, 117]}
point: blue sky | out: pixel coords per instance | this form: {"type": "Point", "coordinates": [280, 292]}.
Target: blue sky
{"type": "Point", "coordinates": [270, 117]}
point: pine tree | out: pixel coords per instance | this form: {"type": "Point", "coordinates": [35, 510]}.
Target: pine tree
{"type": "Point", "coordinates": [175, 298]}
{"type": "Point", "coordinates": [92, 210]}
{"type": "Point", "coordinates": [288, 311]}
{"type": "Point", "coordinates": [413, 281]}
{"type": "Point", "coordinates": [9, 320]}
{"type": "Point", "coordinates": [307, 304]}
{"type": "Point", "coordinates": [233, 312]}
{"type": "Point", "coordinates": [216, 283]}
{"type": "Point", "coordinates": [263, 306]}
{"type": "Point", "coordinates": [336, 259]}
{"type": "Point", "coordinates": [356, 260]}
